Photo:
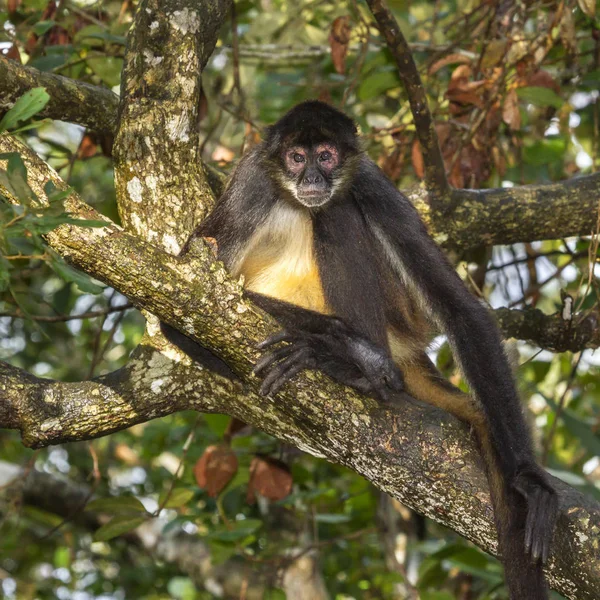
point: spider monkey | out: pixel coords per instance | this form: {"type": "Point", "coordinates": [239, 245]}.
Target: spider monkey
{"type": "Point", "coordinates": [331, 249]}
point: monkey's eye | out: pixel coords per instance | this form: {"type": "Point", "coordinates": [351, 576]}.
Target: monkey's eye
{"type": "Point", "coordinates": [325, 156]}
{"type": "Point", "coordinates": [299, 158]}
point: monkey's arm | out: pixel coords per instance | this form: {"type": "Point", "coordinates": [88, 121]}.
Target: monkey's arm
{"type": "Point", "coordinates": [326, 343]}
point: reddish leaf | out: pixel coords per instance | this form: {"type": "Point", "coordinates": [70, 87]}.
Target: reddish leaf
{"type": "Point", "coordinates": [464, 91]}
{"type": "Point", "coordinates": [510, 111]}
{"type": "Point", "coordinates": [339, 37]}
{"type": "Point", "coordinates": [215, 469]}
{"type": "Point", "coordinates": [543, 79]}
{"type": "Point", "coordinates": [270, 478]}
{"type": "Point", "coordinates": [13, 5]}
{"type": "Point", "coordinates": [13, 53]}
{"type": "Point", "coordinates": [57, 36]}
{"type": "Point", "coordinates": [87, 147]}
{"type": "Point", "coordinates": [417, 160]}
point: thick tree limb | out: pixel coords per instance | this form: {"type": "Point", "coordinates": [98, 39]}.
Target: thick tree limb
{"type": "Point", "coordinates": [435, 171]}
{"type": "Point", "coordinates": [156, 150]}
{"type": "Point", "coordinates": [70, 100]}
{"type": "Point", "coordinates": [417, 455]}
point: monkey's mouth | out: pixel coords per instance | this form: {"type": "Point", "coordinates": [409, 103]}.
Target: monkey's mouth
{"type": "Point", "coordinates": [313, 196]}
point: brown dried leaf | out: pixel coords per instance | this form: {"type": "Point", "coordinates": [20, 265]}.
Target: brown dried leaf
{"type": "Point", "coordinates": [270, 478]}
{"type": "Point", "coordinates": [13, 53]}
{"type": "Point", "coordinates": [126, 454]}
{"type": "Point", "coordinates": [451, 59]}
{"type": "Point", "coordinates": [13, 5]}
{"type": "Point", "coordinates": [339, 37]}
{"type": "Point", "coordinates": [215, 469]}
{"type": "Point", "coordinates": [58, 36]}
{"type": "Point", "coordinates": [464, 91]}
{"type": "Point", "coordinates": [510, 110]}
{"type": "Point", "coordinates": [417, 160]}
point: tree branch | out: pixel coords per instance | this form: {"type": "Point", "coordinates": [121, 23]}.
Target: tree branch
{"type": "Point", "coordinates": [550, 332]}
{"type": "Point", "coordinates": [70, 100]}
{"type": "Point", "coordinates": [157, 148]}
{"type": "Point", "coordinates": [435, 171]}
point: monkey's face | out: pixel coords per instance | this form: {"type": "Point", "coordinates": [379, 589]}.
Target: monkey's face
{"type": "Point", "coordinates": [310, 172]}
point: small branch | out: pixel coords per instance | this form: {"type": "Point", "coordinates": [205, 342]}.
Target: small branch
{"type": "Point", "coordinates": [61, 318]}
{"type": "Point", "coordinates": [550, 332]}
{"type": "Point", "coordinates": [70, 100]}
{"type": "Point", "coordinates": [435, 172]}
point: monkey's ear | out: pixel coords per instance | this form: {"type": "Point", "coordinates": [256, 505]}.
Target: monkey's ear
{"type": "Point", "coordinates": [273, 139]}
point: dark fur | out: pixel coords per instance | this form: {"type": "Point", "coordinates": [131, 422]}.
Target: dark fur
{"type": "Point", "coordinates": [379, 269]}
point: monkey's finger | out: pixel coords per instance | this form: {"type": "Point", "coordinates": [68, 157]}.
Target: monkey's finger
{"type": "Point", "coordinates": [269, 358]}
{"type": "Point", "coordinates": [286, 369]}
{"type": "Point", "coordinates": [280, 336]}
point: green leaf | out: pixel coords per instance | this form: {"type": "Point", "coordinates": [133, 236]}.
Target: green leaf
{"type": "Point", "coordinates": [68, 273]}
{"type": "Point", "coordinates": [436, 596]}
{"type": "Point", "coordinates": [178, 497]}
{"type": "Point", "coordinates": [34, 125]}
{"type": "Point", "coordinates": [578, 428]}
{"type": "Point", "coordinates": [377, 83]}
{"type": "Point", "coordinates": [116, 505]}
{"type": "Point", "coordinates": [14, 179]}
{"type": "Point", "coordinates": [545, 151]}
{"type": "Point", "coordinates": [5, 268]}
{"type": "Point", "coordinates": [239, 530]}
{"type": "Point", "coordinates": [29, 104]}
{"type": "Point", "coordinates": [108, 68]}
{"type": "Point", "coordinates": [41, 27]}
{"type": "Point", "coordinates": [540, 96]}
{"type": "Point", "coordinates": [118, 526]}
{"type": "Point", "coordinates": [181, 588]}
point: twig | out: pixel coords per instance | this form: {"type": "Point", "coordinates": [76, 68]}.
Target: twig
{"type": "Point", "coordinates": [435, 172]}
{"type": "Point", "coordinates": [61, 318]}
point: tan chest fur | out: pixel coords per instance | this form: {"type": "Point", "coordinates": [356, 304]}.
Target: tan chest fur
{"type": "Point", "coordinates": [279, 260]}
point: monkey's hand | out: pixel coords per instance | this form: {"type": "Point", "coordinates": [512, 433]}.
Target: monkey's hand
{"type": "Point", "coordinates": [351, 359]}
{"type": "Point", "coordinates": [533, 484]}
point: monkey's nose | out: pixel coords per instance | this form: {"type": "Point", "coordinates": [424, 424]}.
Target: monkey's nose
{"type": "Point", "coordinates": [313, 179]}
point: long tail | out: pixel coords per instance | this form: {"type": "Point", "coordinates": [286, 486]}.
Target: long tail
{"type": "Point", "coordinates": [524, 578]}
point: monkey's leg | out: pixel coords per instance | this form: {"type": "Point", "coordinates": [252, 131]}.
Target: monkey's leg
{"type": "Point", "coordinates": [514, 525]}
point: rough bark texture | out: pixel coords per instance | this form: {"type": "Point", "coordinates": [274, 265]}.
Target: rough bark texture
{"type": "Point", "coordinates": [75, 101]}
{"type": "Point", "coordinates": [550, 332]}
{"type": "Point", "coordinates": [158, 168]}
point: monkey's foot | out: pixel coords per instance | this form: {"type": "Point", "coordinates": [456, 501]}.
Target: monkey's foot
{"type": "Point", "coordinates": [533, 484]}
